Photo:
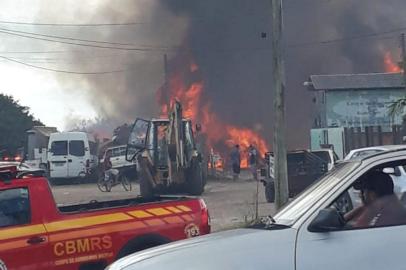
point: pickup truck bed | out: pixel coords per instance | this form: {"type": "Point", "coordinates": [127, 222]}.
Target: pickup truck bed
{"type": "Point", "coordinates": [37, 234]}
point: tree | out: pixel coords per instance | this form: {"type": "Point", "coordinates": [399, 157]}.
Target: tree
{"type": "Point", "coordinates": [15, 120]}
{"type": "Point", "coordinates": [397, 107]}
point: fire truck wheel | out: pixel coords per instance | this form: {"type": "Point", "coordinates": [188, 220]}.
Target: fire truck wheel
{"type": "Point", "coordinates": [270, 192]}
{"type": "Point", "coordinates": [141, 243]}
{"type": "Point", "coordinates": [195, 179]}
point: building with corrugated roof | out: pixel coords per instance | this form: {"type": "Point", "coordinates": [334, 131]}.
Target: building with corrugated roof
{"type": "Point", "coordinates": [38, 138]}
{"type": "Point", "coordinates": [356, 100]}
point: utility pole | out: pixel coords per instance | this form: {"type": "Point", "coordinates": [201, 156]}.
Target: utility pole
{"type": "Point", "coordinates": [166, 84]}
{"type": "Point", "coordinates": [403, 46]}
{"type": "Point", "coordinates": [279, 142]}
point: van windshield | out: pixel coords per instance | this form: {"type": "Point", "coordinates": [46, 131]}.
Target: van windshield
{"type": "Point", "coordinates": [77, 148]}
{"type": "Point", "coordinates": [59, 148]}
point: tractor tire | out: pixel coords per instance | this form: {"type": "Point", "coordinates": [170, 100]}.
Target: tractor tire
{"type": "Point", "coordinates": [270, 192]}
{"type": "Point", "coordinates": [195, 179]}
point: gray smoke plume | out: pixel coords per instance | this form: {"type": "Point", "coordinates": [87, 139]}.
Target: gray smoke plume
{"type": "Point", "coordinates": [224, 36]}
{"type": "Point", "coordinates": [236, 61]}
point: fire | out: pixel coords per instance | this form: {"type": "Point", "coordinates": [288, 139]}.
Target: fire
{"type": "Point", "coordinates": [390, 65]}
{"type": "Point", "coordinates": [245, 137]}
{"type": "Point", "coordinates": [218, 135]}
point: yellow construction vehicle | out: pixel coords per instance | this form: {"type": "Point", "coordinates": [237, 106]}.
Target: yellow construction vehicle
{"type": "Point", "coordinates": [168, 160]}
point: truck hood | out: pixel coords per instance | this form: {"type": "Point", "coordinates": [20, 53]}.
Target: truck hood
{"type": "Point", "coordinates": [236, 249]}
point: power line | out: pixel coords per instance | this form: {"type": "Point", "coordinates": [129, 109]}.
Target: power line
{"type": "Point", "coordinates": [344, 39]}
{"type": "Point", "coordinates": [81, 44]}
{"type": "Point", "coordinates": [61, 71]}
{"type": "Point", "coordinates": [72, 24]}
{"type": "Point", "coordinates": [71, 38]}
{"type": "Point", "coordinates": [149, 48]}
{"type": "Point", "coordinates": [32, 52]}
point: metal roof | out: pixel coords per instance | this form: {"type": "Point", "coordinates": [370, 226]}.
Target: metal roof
{"type": "Point", "coordinates": [356, 81]}
{"type": "Point", "coordinates": [46, 131]}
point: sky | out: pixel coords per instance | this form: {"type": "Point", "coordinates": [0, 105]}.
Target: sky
{"type": "Point", "coordinates": [50, 99]}
{"type": "Point", "coordinates": [40, 90]}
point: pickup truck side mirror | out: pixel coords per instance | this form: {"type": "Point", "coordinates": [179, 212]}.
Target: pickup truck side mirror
{"type": "Point", "coordinates": [327, 220]}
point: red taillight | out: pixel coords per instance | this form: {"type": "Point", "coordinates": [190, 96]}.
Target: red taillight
{"type": "Point", "coordinates": [205, 218]}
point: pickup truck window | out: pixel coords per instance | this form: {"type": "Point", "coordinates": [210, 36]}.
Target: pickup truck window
{"type": "Point", "coordinates": [77, 148]}
{"type": "Point", "coordinates": [380, 205]}
{"type": "Point", "coordinates": [59, 148]}
{"type": "Point", "coordinates": [14, 207]}
{"type": "Point", "coordinates": [295, 209]}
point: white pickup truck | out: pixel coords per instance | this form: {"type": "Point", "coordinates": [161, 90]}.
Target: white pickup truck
{"type": "Point", "coordinates": [119, 162]}
{"type": "Point", "coordinates": [311, 232]}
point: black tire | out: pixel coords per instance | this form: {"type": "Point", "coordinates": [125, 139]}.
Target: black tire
{"type": "Point", "coordinates": [125, 181]}
{"type": "Point", "coordinates": [141, 243]}
{"type": "Point", "coordinates": [270, 192]}
{"type": "Point", "coordinates": [104, 186]}
{"type": "Point", "coordinates": [195, 179]}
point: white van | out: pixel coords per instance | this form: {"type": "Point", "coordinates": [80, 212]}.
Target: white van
{"type": "Point", "coordinates": [71, 155]}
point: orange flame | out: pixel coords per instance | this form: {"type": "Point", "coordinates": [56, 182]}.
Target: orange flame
{"type": "Point", "coordinates": [216, 132]}
{"type": "Point", "coordinates": [390, 65]}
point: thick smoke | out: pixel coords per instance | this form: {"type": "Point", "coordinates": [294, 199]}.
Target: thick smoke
{"type": "Point", "coordinates": [234, 59]}
{"type": "Point", "coordinates": [226, 38]}
{"type": "Point", "coordinates": [120, 96]}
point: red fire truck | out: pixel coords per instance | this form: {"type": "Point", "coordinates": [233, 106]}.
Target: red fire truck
{"type": "Point", "coordinates": [37, 234]}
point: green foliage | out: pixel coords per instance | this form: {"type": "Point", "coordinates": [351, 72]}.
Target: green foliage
{"type": "Point", "coordinates": [15, 120]}
{"type": "Point", "coordinates": [397, 107]}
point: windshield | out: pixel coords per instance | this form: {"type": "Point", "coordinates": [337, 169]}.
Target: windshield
{"type": "Point", "coordinates": [323, 155]}
{"type": "Point", "coordinates": [296, 208]}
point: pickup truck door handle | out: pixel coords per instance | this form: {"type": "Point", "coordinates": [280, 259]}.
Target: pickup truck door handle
{"type": "Point", "coordinates": [36, 240]}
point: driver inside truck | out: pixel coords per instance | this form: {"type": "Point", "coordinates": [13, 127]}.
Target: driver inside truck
{"type": "Point", "coordinates": [380, 206]}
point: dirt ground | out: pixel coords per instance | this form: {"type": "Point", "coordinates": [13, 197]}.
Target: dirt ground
{"type": "Point", "coordinates": [230, 203]}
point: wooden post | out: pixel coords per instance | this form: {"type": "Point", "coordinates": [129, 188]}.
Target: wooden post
{"type": "Point", "coordinates": [279, 145]}
{"type": "Point", "coordinates": [403, 47]}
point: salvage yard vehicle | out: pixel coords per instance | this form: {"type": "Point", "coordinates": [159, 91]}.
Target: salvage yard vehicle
{"type": "Point", "coordinates": [308, 233]}
{"type": "Point", "coordinates": [304, 167]}
{"type": "Point", "coordinates": [35, 233]}
{"type": "Point", "coordinates": [167, 156]}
